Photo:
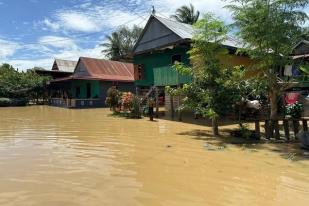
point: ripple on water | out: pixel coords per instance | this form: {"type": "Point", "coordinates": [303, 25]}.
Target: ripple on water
{"type": "Point", "coordinates": [54, 156]}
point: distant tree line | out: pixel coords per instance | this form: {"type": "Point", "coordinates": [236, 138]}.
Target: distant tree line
{"type": "Point", "coordinates": [20, 87]}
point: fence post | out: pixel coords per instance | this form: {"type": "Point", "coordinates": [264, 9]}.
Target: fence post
{"type": "Point", "coordinates": [267, 135]}
{"type": "Point", "coordinates": [305, 125]}
{"type": "Point", "coordinates": [286, 129]}
{"type": "Point", "coordinates": [296, 127]}
{"type": "Point", "coordinates": [257, 129]}
{"type": "Point", "coordinates": [276, 127]}
{"type": "Point", "coordinates": [172, 107]}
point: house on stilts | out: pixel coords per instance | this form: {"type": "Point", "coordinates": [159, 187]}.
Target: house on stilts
{"type": "Point", "coordinates": [161, 44]}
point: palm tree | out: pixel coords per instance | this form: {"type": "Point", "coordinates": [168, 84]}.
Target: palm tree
{"type": "Point", "coordinates": [186, 14]}
{"type": "Point", "coordinates": [119, 44]}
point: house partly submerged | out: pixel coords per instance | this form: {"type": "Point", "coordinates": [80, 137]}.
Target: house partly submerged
{"type": "Point", "coordinates": [88, 85]}
{"type": "Point", "coordinates": [161, 44]}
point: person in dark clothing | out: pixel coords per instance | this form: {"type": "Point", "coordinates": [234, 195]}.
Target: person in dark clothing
{"type": "Point", "coordinates": [151, 104]}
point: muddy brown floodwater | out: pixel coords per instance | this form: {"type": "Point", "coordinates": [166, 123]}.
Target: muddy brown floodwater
{"type": "Point", "coordinates": [54, 156]}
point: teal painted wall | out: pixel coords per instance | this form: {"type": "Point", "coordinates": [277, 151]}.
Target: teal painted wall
{"type": "Point", "coordinates": [159, 59]}
{"type": "Point", "coordinates": [95, 88]}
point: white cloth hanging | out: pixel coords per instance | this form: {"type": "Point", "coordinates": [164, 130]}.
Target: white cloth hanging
{"type": "Point", "coordinates": [288, 70]}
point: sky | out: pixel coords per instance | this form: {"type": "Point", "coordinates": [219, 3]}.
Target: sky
{"type": "Point", "coordinates": [35, 32]}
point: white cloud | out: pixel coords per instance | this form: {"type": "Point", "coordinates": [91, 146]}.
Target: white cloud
{"type": "Point", "coordinates": [52, 25]}
{"type": "Point", "coordinates": [57, 42]}
{"type": "Point", "coordinates": [77, 21]}
{"type": "Point", "coordinates": [7, 48]}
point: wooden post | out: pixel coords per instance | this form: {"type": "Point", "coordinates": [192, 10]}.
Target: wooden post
{"type": "Point", "coordinates": [179, 110]}
{"type": "Point", "coordinates": [271, 129]}
{"type": "Point", "coordinates": [157, 102]}
{"type": "Point", "coordinates": [215, 127]}
{"type": "Point", "coordinates": [286, 129]}
{"type": "Point", "coordinates": [267, 135]}
{"type": "Point", "coordinates": [257, 129]}
{"type": "Point", "coordinates": [305, 125]}
{"type": "Point", "coordinates": [296, 127]}
{"type": "Point", "coordinates": [276, 127]}
{"type": "Point", "coordinates": [172, 106]}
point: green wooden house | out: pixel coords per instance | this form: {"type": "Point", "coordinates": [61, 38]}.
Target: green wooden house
{"type": "Point", "coordinates": [162, 42]}
{"type": "Point", "coordinates": [88, 85]}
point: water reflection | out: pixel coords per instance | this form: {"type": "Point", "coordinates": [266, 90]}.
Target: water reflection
{"type": "Point", "coordinates": [53, 156]}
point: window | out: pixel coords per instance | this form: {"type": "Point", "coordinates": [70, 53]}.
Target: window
{"type": "Point", "coordinates": [176, 58]}
{"type": "Point", "coordinates": [139, 72]}
{"type": "Point", "coordinates": [88, 90]}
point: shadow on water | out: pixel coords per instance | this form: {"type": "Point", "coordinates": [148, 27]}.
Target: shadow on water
{"type": "Point", "coordinates": [288, 150]}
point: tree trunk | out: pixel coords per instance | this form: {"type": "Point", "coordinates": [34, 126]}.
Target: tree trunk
{"type": "Point", "coordinates": [273, 104]}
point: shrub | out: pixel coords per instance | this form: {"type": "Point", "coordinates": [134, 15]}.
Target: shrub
{"type": "Point", "coordinates": [6, 102]}
{"type": "Point", "coordinates": [294, 110]}
{"type": "Point", "coordinates": [136, 108]}
{"type": "Point", "coordinates": [113, 98]}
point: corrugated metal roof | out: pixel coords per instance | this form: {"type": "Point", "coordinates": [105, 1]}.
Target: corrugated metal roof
{"type": "Point", "coordinates": [186, 31]}
{"type": "Point", "coordinates": [64, 65]}
{"type": "Point", "coordinates": [105, 70]}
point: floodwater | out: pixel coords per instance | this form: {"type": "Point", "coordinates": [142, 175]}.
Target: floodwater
{"type": "Point", "coordinates": [54, 156]}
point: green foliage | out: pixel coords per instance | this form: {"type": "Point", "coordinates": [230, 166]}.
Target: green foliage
{"type": "Point", "coordinates": [120, 43]}
{"type": "Point", "coordinates": [113, 99]}
{"type": "Point", "coordinates": [207, 94]}
{"type": "Point", "coordinates": [304, 69]}
{"type": "Point", "coordinates": [294, 110]}
{"type": "Point", "coordinates": [6, 102]}
{"type": "Point", "coordinates": [269, 29]}
{"type": "Point", "coordinates": [136, 108]}
{"type": "Point", "coordinates": [186, 14]}
{"type": "Point", "coordinates": [21, 85]}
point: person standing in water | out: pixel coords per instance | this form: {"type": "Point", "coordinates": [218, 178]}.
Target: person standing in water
{"type": "Point", "coordinates": [151, 104]}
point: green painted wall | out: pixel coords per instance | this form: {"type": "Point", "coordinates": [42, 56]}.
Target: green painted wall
{"type": "Point", "coordinates": [95, 88]}
{"type": "Point", "coordinates": [160, 60]}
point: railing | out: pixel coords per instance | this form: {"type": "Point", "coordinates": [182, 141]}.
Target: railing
{"type": "Point", "coordinates": [303, 80]}
{"type": "Point", "coordinates": [76, 103]}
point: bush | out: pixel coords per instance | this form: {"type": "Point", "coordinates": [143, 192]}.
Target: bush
{"type": "Point", "coordinates": [6, 102]}
{"type": "Point", "coordinates": [113, 99]}
{"type": "Point", "coordinates": [136, 108]}
{"type": "Point", "coordinates": [294, 110]}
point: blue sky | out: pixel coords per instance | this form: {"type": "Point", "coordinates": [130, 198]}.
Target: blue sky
{"type": "Point", "coordinates": [34, 32]}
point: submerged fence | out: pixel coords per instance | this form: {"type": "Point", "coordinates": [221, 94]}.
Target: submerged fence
{"type": "Point", "coordinates": [272, 127]}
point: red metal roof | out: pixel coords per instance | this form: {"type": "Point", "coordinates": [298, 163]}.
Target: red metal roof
{"type": "Point", "coordinates": [105, 70]}
{"type": "Point", "coordinates": [101, 69]}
